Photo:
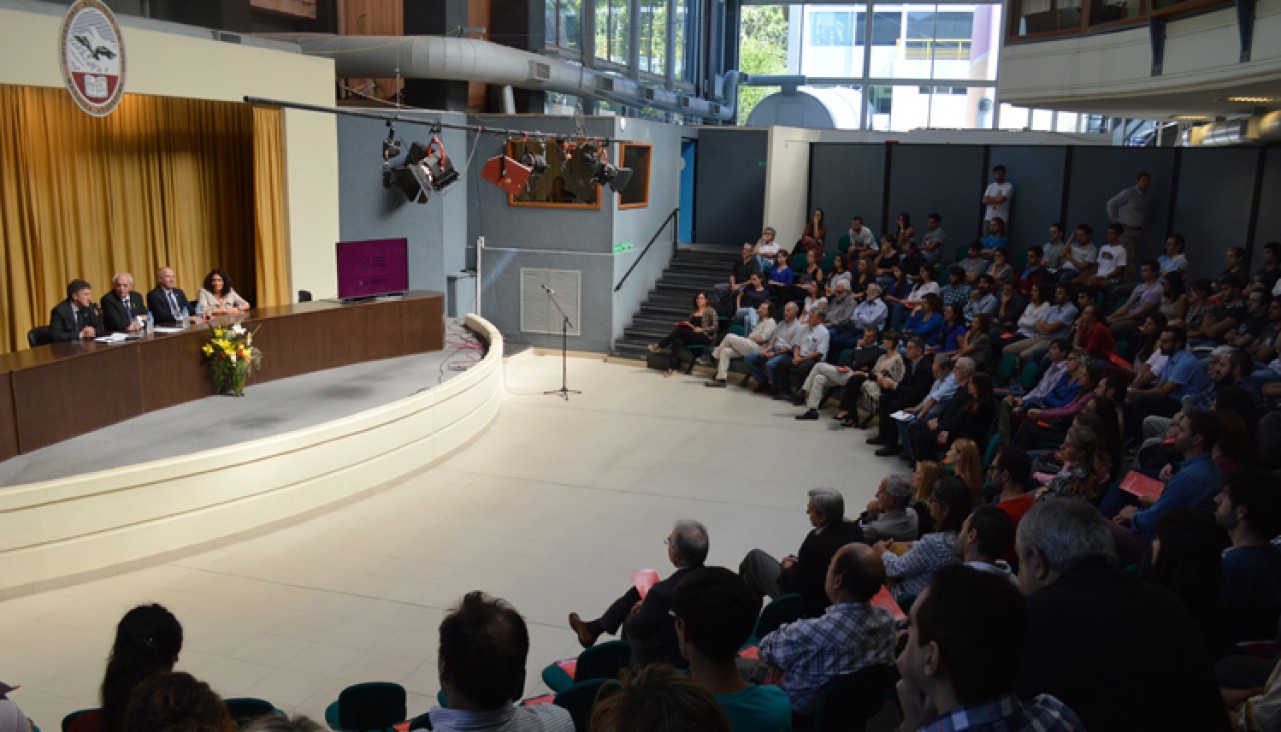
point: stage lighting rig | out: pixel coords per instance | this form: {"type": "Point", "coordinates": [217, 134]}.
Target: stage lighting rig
{"type": "Point", "coordinates": [426, 168]}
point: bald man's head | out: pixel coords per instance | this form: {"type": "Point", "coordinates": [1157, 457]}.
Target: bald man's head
{"type": "Point", "coordinates": [855, 574]}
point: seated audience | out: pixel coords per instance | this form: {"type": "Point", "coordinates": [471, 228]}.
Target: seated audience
{"type": "Point", "coordinates": [851, 634]}
{"type": "Point", "coordinates": [766, 360]}
{"type": "Point", "coordinates": [910, 571]}
{"type": "Point", "coordinates": [871, 312]}
{"type": "Point", "coordinates": [840, 273]}
{"type": "Point", "coordinates": [789, 373]}
{"type": "Point", "coordinates": [957, 290]}
{"type": "Point", "coordinates": [1001, 270]}
{"type": "Point", "coordinates": [484, 645]}
{"type": "Point", "coordinates": [1144, 300]}
{"type": "Point", "coordinates": [996, 237]}
{"type": "Point", "coordinates": [1249, 509]}
{"type": "Point", "coordinates": [76, 318]}
{"type": "Point", "coordinates": [122, 308]}
{"type": "Point", "coordinates": [715, 612]}
{"type": "Point", "coordinates": [1174, 297]}
{"type": "Point", "coordinates": [804, 572]}
{"type": "Point", "coordinates": [1057, 373]}
{"type": "Point", "coordinates": [1221, 317]}
{"type": "Point", "coordinates": [1182, 376]}
{"type": "Point", "coordinates": [864, 386]}
{"type": "Point", "coordinates": [889, 515]}
{"type": "Point", "coordinates": [748, 300]}
{"type": "Point", "coordinates": [766, 250]}
{"type": "Point", "coordinates": [1186, 560]}
{"type": "Point", "coordinates": [1267, 276]}
{"type": "Point", "coordinates": [985, 537]}
{"type": "Point", "coordinates": [1173, 261]}
{"type": "Point", "coordinates": [1194, 485]}
{"type": "Point", "coordinates": [1081, 474]}
{"type": "Point", "coordinates": [862, 240]}
{"type": "Point", "coordinates": [926, 321]}
{"type": "Point", "coordinates": [862, 276]}
{"type": "Point", "coordinates": [780, 277]}
{"type": "Point", "coordinates": [933, 239]}
{"type": "Point", "coordinates": [942, 389]}
{"type": "Point", "coordinates": [1009, 473]}
{"type": "Point", "coordinates": [166, 302]}
{"type": "Point", "coordinates": [1039, 328]}
{"type": "Point", "coordinates": [933, 431]}
{"type": "Point", "coordinates": [657, 698]}
{"type": "Point", "coordinates": [744, 267]}
{"type": "Point", "coordinates": [1107, 270]}
{"type": "Point", "coordinates": [147, 642]}
{"type": "Point", "coordinates": [982, 300]}
{"type": "Point", "coordinates": [737, 346]}
{"type": "Point", "coordinates": [171, 701]}
{"type": "Point", "coordinates": [1093, 336]}
{"type": "Point", "coordinates": [699, 330]}
{"type": "Point", "coordinates": [1079, 256]}
{"type": "Point", "coordinates": [960, 666]}
{"type": "Point", "coordinates": [976, 343]}
{"type": "Point", "coordinates": [1082, 609]}
{"type": "Point", "coordinates": [814, 237]}
{"type": "Point", "coordinates": [974, 264]}
{"type": "Point", "coordinates": [838, 318]}
{"type": "Point", "coordinates": [645, 623]}
{"type": "Point", "coordinates": [965, 462]}
{"type": "Point", "coordinates": [1054, 248]}
{"type": "Point", "coordinates": [218, 296]}
{"type": "Point", "coordinates": [952, 332]}
{"type": "Point", "coordinates": [1035, 272]}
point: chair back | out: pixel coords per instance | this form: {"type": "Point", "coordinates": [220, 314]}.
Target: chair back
{"type": "Point", "coordinates": [246, 709]}
{"type": "Point", "coordinates": [39, 336]}
{"type": "Point", "coordinates": [581, 698]}
{"type": "Point", "coordinates": [783, 609]}
{"type": "Point", "coordinates": [603, 661]}
{"type": "Point", "coordinates": [846, 703]}
{"type": "Point", "coordinates": [304, 296]}
{"type": "Point", "coordinates": [1009, 362]}
{"type": "Point", "coordinates": [843, 244]}
{"type": "Point", "coordinates": [83, 720]}
{"type": "Point", "coordinates": [1028, 376]}
{"type": "Point", "coordinates": [375, 705]}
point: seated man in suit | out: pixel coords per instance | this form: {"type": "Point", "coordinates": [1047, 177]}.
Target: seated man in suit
{"type": "Point", "coordinates": [120, 309]}
{"type": "Point", "coordinates": [166, 301]}
{"type": "Point", "coordinates": [646, 623]}
{"type": "Point", "coordinates": [804, 573]}
{"type": "Point", "coordinates": [76, 317]}
{"type": "Point", "coordinates": [905, 392]}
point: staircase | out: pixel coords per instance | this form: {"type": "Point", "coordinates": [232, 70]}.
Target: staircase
{"type": "Point", "coordinates": [672, 299]}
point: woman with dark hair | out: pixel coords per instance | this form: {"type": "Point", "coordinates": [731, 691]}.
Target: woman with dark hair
{"type": "Point", "coordinates": [977, 341]}
{"type": "Point", "coordinates": [952, 333]}
{"type": "Point", "coordinates": [862, 275]}
{"type": "Point", "coordinates": [1186, 560]}
{"type": "Point", "coordinates": [1148, 361]}
{"type": "Point", "coordinates": [815, 234]}
{"type": "Point", "coordinates": [909, 572]}
{"type": "Point", "coordinates": [218, 296]}
{"type": "Point", "coordinates": [169, 702]}
{"type": "Point", "coordinates": [656, 697]}
{"type": "Point", "coordinates": [1199, 294]}
{"type": "Point", "coordinates": [148, 640]}
{"type": "Point", "coordinates": [903, 230]}
{"type": "Point", "coordinates": [1174, 298]}
{"type": "Point", "coordinates": [699, 330]}
{"type": "Point", "coordinates": [926, 321]}
{"type": "Point", "coordinates": [1110, 425]}
{"type": "Point", "coordinates": [840, 272]}
{"type": "Point", "coordinates": [1001, 270]}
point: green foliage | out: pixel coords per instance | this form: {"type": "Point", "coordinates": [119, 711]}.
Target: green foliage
{"type": "Point", "coordinates": [762, 49]}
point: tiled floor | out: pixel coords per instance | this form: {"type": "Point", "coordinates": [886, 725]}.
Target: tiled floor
{"type": "Point", "coordinates": [550, 509]}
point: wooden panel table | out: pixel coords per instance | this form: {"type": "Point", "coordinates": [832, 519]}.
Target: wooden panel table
{"type": "Point", "coordinates": [52, 393]}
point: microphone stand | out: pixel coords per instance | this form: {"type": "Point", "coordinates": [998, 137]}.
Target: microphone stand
{"type": "Point", "coordinates": [564, 391]}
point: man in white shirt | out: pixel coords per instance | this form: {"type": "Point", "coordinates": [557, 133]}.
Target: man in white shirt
{"type": "Point", "coordinates": [766, 250]}
{"type": "Point", "coordinates": [862, 240]}
{"type": "Point", "coordinates": [737, 346]}
{"type": "Point", "coordinates": [1111, 262]}
{"type": "Point", "coordinates": [808, 352]}
{"type": "Point", "coordinates": [996, 198]}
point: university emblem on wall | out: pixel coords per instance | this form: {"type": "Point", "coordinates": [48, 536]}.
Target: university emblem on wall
{"type": "Point", "coordinates": [93, 57]}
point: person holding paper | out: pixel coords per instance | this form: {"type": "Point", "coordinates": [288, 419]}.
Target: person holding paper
{"type": "Point", "coordinates": [803, 572]}
{"type": "Point", "coordinates": [898, 393]}
{"type": "Point", "coordinates": [76, 317]}
{"type": "Point", "coordinates": [644, 620]}
{"type": "Point", "coordinates": [1196, 482]}
{"type": "Point", "coordinates": [122, 308]}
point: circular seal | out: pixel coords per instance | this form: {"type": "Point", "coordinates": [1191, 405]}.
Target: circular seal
{"type": "Point", "coordinates": [92, 54]}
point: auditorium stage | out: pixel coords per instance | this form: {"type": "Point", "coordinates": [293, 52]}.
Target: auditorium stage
{"type": "Point", "coordinates": [549, 507]}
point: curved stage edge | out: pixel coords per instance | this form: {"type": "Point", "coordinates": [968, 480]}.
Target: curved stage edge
{"type": "Point", "coordinates": [59, 532]}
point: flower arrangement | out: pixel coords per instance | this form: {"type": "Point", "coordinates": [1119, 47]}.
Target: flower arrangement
{"type": "Point", "coordinates": [232, 356]}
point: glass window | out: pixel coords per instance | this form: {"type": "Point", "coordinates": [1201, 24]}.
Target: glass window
{"type": "Point", "coordinates": [681, 34]}
{"type": "Point", "coordinates": [1043, 120]}
{"type": "Point", "coordinates": [564, 24]}
{"type": "Point", "coordinates": [613, 26]}
{"type": "Point", "coordinates": [887, 27]}
{"type": "Point", "coordinates": [1067, 122]}
{"type": "Point", "coordinates": [1047, 16]}
{"type": "Point", "coordinates": [1111, 11]}
{"type": "Point", "coordinates": [653, 35]}
{"type": "Point", "coordinates": [832, 29]}
{"type": "Point", "coordinates": [1014, 118]}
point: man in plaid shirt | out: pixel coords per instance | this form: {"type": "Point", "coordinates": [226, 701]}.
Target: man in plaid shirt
{"type": "Point", "coordinates": [962, 659]}
{"type": "Point", "coordinates": [850, 635]}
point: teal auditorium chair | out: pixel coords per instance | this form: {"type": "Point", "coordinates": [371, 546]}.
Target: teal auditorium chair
{"type": "Point", "coordinates": [845, 704]}
{"type": "Point", "coordinates": [1029, 374]}
{"type": "Point", "coordinates": [581, 698]}
{"type": "Point", "coordinates": [85, 719]}
{"type": "Point", "coordinates": [602, 661]}
{"type": "Point", "coordinates": [370, 707]}
{"type": "Point", "coordinates": [246, 709]}
{"type": "Point", "coordinates": [843, 244]}
{"type": "Point", "coordinates": [783, 609]}
{"type": "Point", "coordinates": [800, 260]}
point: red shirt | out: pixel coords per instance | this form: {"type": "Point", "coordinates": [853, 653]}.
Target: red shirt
{"type": "Point", "coordinates": [1098, 341]}
{"type": "Point", "coordinates": [1015, 507]}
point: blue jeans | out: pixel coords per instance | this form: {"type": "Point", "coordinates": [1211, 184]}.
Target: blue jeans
{"type": "Point", "coordinates": [748, 316]}
{"type": "Point", "coordinates": [1262, 376]}
{"type": "Point", "coordinates": [755, 362]}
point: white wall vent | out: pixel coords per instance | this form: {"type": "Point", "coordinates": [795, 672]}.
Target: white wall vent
{"type": "Point", "coordinates": [537, 312]}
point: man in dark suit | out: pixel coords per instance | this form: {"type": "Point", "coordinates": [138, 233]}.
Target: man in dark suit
{"type": "Point", "coordinates": [166, 299]}
{"type": "Point", "coordinates": [907, 392]}
{"type": "Point", "coordinates": [922, 435]}
{"type": "Point", "coordinates": [121, 308]}
{"type": "Point", "coordinates": [1124, 654]}
{"type": "Point", "coordinates": [76, 317]}
{"type": "Point", "coordinates": [646, 623]}
{"type": "Point", "coordinates": [806, 571]}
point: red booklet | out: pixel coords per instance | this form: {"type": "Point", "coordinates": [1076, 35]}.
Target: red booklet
{"type": "Point", "coordinates": [1142, 486]}
{"type": "Point", "coordinates": [644, 579]}
{"type": "Point", "coordinates": [684, 324]}
{"type": "Point", "coordinates": [884, 599]}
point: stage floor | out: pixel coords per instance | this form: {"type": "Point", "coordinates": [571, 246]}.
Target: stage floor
{"type": "Point", "coordinates": [550, 508]}
{"type": "Point", "coordinates": [265, 410]}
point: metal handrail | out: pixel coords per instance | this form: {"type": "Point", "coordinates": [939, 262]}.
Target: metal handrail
{"type": "Point", "coordinates": [674, 216]}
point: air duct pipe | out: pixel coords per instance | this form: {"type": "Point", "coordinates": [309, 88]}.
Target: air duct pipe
{"type": "Point", "coordinates": [469, 59]}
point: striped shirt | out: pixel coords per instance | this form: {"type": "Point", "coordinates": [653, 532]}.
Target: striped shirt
{"type": "Point", "coordinates": [1008, 714]}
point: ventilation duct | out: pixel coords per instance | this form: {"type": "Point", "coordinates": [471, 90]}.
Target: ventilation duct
{"type": "Point", "coordinates": [469, 59]}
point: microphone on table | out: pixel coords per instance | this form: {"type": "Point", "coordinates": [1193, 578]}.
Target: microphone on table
{"type": "Point", "coordinates": [548, 290]}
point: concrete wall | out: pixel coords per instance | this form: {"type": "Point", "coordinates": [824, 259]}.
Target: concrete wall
{"type": "Point", "coordinates": [182, 65]}
{"type": "Point", "coordinates": [787, 170]}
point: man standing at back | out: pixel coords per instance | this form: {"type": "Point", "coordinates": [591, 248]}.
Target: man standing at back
{"type": "Point", "coordinates": [1129, 208]}
{"type": "Point", "coordinates": [996, 197]}
{"type": "Point", "coordinates": [1123, 654]}
{"type": "Point", "coordinates": [166, 301]}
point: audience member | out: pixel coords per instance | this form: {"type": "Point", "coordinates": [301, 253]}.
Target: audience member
{"type": "Point", "coordinates": [1009, 472]}
{"type": "Point", "coordinates": [1001, 270]}
{"type": "Point", "coordinates": [148, 640]}
{"type": "Point", "coordinates": [1111, 264]}
{"type": "Point", "coordinates": [1081, 608]}
{"type": "Point", "coordinates": [1080, 476]}
{"type": "Point", "coordinates": [871, 312]}
{"type": "Point", "coordinates": [699, 330]}
{"type": "Point", "coordinates": [996, 237]}
{"type": "Point", "coordinates": [803, 572]}
{"type": "Point", "coordinates": [923, 436]}
{"type": "Point", "coordinates": [851, 634]}
{"type": "Point", "coordinates": [1249, 509]}
{"type": "Point", "coordinates": [744, 267]}
{"type": "Point", "coordinates": [910, 571]}
{"type": "Point", "coordinates": [1054, 248]}
{"type": "Point", "coordinates": [1223, 317]}
{"type": "Point", "coordinates": [814, 236]}
{"type": "Point", "coordinates": [278, 723]}
{"type": "Point", "coordinates": [941, 390]}
{"type": "Point", "coordinates": [1051, 378]}
{"type": "Point", "coordinates": [997, 195]}
{"type": "Point", "coordinates": [123, 307]}
{"type": "Point", "coordinates": [1042, 327]}
{"type": "Point", "coordinates": [862, 240]}
{"type": "Point", "coordinates": [658, 698]}
{"type": "Point", "coordinates": [933, 239]}
{"type": "Point", "coordinates": [737, 346]}
{"type": "Point", "coordinates": [1144, 300]}
{"type": "Point", "coordinates": [1194, 485]}
{"type": "Point", "coordinates": [960, 665]}
{"type": "Point", "coordinates": [1186, 560]}
{"type": "Point", "coordinates": [1079, 256]}
{"type": "Point", "coordinates": [645, 623]}
{"type": "Point", "coordinates": [766, 250]}
{"type": "Point", "coordinates": [1181, 376]}
{"type": "Point", "coordinates": [789, 373]}
{"type": "Point", "coordinates": [171, 701]}
{"type": "Point", "coordinates": [974, 264]}
{"type": "Point", "coordinates": [748, 301]}
{"type": "Point", "coordinates": [901, 393]}
{"type": "Point", "coordinates": [864, 386]}
{"type": "Point", "coordinates": [986, 535]}
{"type": "Point", "coordinates": [1174, 260]}
{"type": "Point", "coordinates": [1005, 311]}
{"type": "Point", "coordinates": [889, 515]}
{"type": "Point", "coordinates": [76, 318]}
{"type": "Point", "coordinates": [166, 302]}
{"type": "Point", "coordinates": [484, 645]}
{"type": "Point", "coordinates": [1034, 273]}
{"type": "Point", "coordinates": [715, 612]}
{"type": "Point", "coordinates": [786, 336]}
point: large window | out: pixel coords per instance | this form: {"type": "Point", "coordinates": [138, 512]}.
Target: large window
{"type": "Point", "coordinates": [653, 35]}
{"type": "Point", "coordinates": [564, 24]}
{"type": "Point", "coordinates": [613, 29]}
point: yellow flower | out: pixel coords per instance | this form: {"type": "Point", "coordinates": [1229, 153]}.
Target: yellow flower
{"type": "Point", "coordinates": [208, 349]}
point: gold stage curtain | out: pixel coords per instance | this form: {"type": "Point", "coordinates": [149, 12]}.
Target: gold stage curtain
{"type": "Point", "coordinates": [161, 181]}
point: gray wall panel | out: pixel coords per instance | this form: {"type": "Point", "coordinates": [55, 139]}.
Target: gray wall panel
{"type": "Point", "coordinates": [1269, 219]}
{"type": "Point", "coordinates": [730, 190]}
{"type": "Point", "coordinates": [847, 180]}
{"type": "Point", "coordinates": [1213, 182]}
{"type": "Point", "coordinates": [944, 179]}
{"type": "Point", "coordinates": [1099, 173]}
{"type": "Point", "coordinates": [1037, 175]}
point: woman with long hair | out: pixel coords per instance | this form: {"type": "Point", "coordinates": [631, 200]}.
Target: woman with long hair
{"type": "Point", "coordinates": [1078, 478]}
{"type": "Point", "coordinates": [699, 330]}
{"type": "Point", "coordinates": [218, 296]}
{"type": "Point", "coordinates": [148, 640]}
{"type": "Point", "coordinates": [964, 459]}
{"type": "Point", "coordinates": [1174, 298]}
{"type": "Point", "coordinates": [840, 272]}
{"type": "Point", "coordinates": [952, 333]}
{"type": "Point", "coordinates": [977, 341]}
{"type": "Point", "coordinates": [1187, 561]}
{"type": "Point", "coordinates": [862, 390]}
{"type": "Point", "coordinates": [909, 573]}
{"type": "Point", "coordinates": [1149, 362]}
{"type": "Point", "coordinates": [863, 275]}
{"type": "Point", "coordinates": [903, 231]}
{"type": "Point", "coordinates": [815, 235]}
{"type": "Point", "coordinates": [924, 477]}
{"type": "Point", "coordinates": [926, 321]}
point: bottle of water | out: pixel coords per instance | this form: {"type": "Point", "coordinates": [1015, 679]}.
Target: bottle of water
{"type": "Point", "coordinates": [182, 318]}
{"type": "Point", "coordinates": [200, 312]}
{"type": "Point", "coordinates": [151, 323]}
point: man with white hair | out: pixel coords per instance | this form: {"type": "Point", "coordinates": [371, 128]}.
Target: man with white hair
{"type": "Point", "coordinates": [122, 307]}
{"type": "Point", "coordinates": [888, 515]}
{"type": "Point", "coordinates": [1124, 654]}
{"type": "Point", "coordinates": [737, 346]}
{"type": "Point", "coordinates": [871, 313]}
{"type": "Point", "coordinates": [766, 360]}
